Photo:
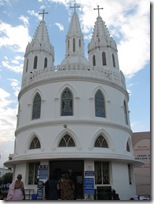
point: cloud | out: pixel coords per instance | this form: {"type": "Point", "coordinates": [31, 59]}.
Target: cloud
{"type": "Point", "coordinates": [16, 86]}
{"type": "Point", "coordinates": [60, 26]}
{"type": "Point", "coordinates": [36, 14]}
{"type": "Point", "coordinates": [16, 64]}
{"type": "Point", "coordinates": [14, 37]}
{"type": "Point", "coordinates": [25, 20]}
{"type": "Point", "coordinates": [7, 116]}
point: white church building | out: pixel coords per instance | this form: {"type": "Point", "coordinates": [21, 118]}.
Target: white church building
{"type": "Point", "coordinates": [75, 115]}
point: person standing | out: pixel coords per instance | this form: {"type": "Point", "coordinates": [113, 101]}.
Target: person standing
{"type": "Point", "coordinates": [51, 188]}
{"type": "Point", "coordinates": [16, 190]}
{"type": "Point", "coordinates": [67, 188]}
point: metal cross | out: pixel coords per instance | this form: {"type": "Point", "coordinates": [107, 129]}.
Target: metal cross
{"type": "Point", "coordinates": [75, 6]}
{"type": "Point", "coordinates": [98, 9]}
{"type": "Point", "coordinates": [43, 14]}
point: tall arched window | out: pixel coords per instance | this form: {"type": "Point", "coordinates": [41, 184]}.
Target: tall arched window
{"type": "Point", "coordinates": [125, 113]}
{"type": "Point", "coordinates": [35, 62]}
{"type": "Point", "coordinates": [103, 58]}
{"type": "Point", "coordinates": [113, 60]}
{"type": "Point", "coordinates": [67, 103]}
{"type": "Point", "coordinates": [36, 112]}
{"type": "Point", "coordinates": [99, 104]}
{"type": "Point", "coordinates": [35, 143]}
{"type": "Point", "coordinates": [73, 44]}
{"type": "Point", "coordinates": [94, 60]}
{"type": "Point", "coordinates": [66, 141]}
{"type": "Point", "coordinates": [101, 142]}
{"type": "Point", "coordinates": [79, 42]}
{"type": "Point", "coordinates": [127, 147]}
{"type": "Point", "coordinates": [45, 62]}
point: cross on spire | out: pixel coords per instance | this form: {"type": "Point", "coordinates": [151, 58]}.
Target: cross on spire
{"type": "Point", "coordinates": [43, 14]}
{"type": "Point", "coordinates": [75, 6]}
{"type": "Point", "coordinates": [98, 9]}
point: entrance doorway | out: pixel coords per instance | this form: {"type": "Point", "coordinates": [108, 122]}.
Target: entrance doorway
{"type": "Point", "coordinates": [77, 167]}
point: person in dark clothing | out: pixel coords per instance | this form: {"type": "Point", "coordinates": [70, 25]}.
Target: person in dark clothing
{"type": "Point", "coordinates": [51, 188]}
{"type": "Point", "coordinates": [115, 196]}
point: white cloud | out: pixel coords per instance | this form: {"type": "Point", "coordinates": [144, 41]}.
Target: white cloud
{"type": "Point", "coordinates": [14, 37]}
{"type": "Point", "coordinates": [7, 117]}
{"type": "Point", "coordinates": [16, 64]}
{"type": "Point", "coordinates": [16, 86]}
{"type": "Point", "coordinates": [25, 20]}
{"type": "Point", "coordinates": [36, 14]}
{"type": "Point", "coordinates": [60, 26]}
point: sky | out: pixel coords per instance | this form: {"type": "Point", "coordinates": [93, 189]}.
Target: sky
{"type": "Point", "coordinates": [128, 23]}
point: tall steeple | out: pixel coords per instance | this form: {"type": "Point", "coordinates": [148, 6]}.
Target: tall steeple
{"type": "Point", "coordinates": [74, 42]}
{"type": "Point", "coordinates": [40, 52]}
{"type": "Point", "coordinates": [102, 49]}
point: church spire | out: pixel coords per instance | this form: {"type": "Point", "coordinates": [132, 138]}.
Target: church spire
{"type": "Point", "coordinates": [74, 41]}
{"type": "Point", "coordinates": [39, 52]}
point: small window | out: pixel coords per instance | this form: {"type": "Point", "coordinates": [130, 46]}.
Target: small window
{"type": "Point", "coordinates": [73, 44]}
{"type": "Point", "coordinates": [35, 63]}
{"type": "Point", "coordinates": [113, 60]}
{"type": "Point", "coordinates": [35, 144]}
{"type": "Point", "coordinates": [67, 103]}
{"type": "Point", "coordinates": [94, 60]}
{"type": "Point", "coordinates": [101, 142]}
{"type": "Point", "coordinates": [102, 173]}
{"type": "Point", "coordinates": [104, 58]}
{"type": "Point", "coordinates": [127, 147]}
{"type": "Point", "coordinates": [125, 113]}
{"type": "Point", "coordinates": [79, 42]}
{"type": "Point", "coordinates": [67, 141]}
{"type": "Point", "coordinates": [27, 65]}
{"type": "Point", "coordinates": [45, 62]}
{"type": "Point", "coordinates": [36, 112]}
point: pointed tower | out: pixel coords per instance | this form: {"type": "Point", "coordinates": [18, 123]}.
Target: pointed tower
{"type": "Point", "coordinates": [102, 49]}
{"type": "Point", "coordinates": [39, 53]}
{"type": "Point", "coordinates": [74, 42]}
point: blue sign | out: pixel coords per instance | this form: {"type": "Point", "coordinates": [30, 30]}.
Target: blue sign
{"type": "Point", "coordinates": [42, 172]}
{"type": "Point", "coordinates": [89, 186]}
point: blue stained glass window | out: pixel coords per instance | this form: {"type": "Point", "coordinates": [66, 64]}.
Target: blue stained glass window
{"type": "Point", "coordinates": [36, 113]}
{"type": "Point", "coordinates": [99, 104]}
{"type": "Point", "coordinates": [67, 103]}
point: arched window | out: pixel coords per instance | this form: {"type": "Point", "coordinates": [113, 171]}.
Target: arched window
{"type": "Point", "coordinates": [94, 60]}
{"type": "Point", "coordinates": [36, 112]}
{"type": "Point", "coordinates": [113, 60]}
{"type": "Point", "coordinates": [35, 63]}
{"type": "Point", "coordinates": [103, 58]}
{"type": "Point", "coordinates": [99, 104]}
{"type": "Point", "coordinates": [45, 62]}
{"type": "Point", "coordinates": [68, 43]}
{"type": "Point", "coordinates": [67, 141]}
{"type": "Point", "coordinates": [73, 44]}
{"type": "Point", "coordinates": [127, 147]}
{"type": "Point", "coordinates": [67, 103]}
{"type": "Point", "coordinates": [35, 143]}
{"type": "Point", "coordinates": [101, 142]}
{"type": "Point", "coordinates": [125, 113]}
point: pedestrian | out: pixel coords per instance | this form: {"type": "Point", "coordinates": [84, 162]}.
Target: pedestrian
{"type": "Point", "coordinates": [67, 188]}
{"type": "Point", "coordinates": [16, 190]}
{"type": "Point", "coordinates": [72, 177]}
{"type": "Point", "coordinates": [51, 188]}
{"type": "Point", "coordinates": [115, 196]}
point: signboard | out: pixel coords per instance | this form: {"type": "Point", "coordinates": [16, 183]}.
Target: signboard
{"type": "Point", "coordinates": [89, 173]}
{"type": "Point", "coordinates": [89, 186]}
{"type": "Point", "coordinates": [40, 194]}
{"type": "Point", "coordinates": [43, 172]}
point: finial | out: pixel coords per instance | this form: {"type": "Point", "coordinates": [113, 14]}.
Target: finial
{"type": "Point", "coordinates": [43, 14]}
{"type": "Point", "coordinates": [98, 9]}
{"type": "Point", "coordinates": [75, 6]}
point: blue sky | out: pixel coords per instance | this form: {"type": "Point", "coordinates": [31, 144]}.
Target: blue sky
{"type": "Point", "coordinates": [128, 23]}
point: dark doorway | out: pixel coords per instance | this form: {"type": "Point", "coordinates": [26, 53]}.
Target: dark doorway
{"type": "Point", "coordinates": [77, 167]}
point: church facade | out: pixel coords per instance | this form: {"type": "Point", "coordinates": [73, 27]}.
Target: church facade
{"type": "Point", "coordinates": [75, 115]}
